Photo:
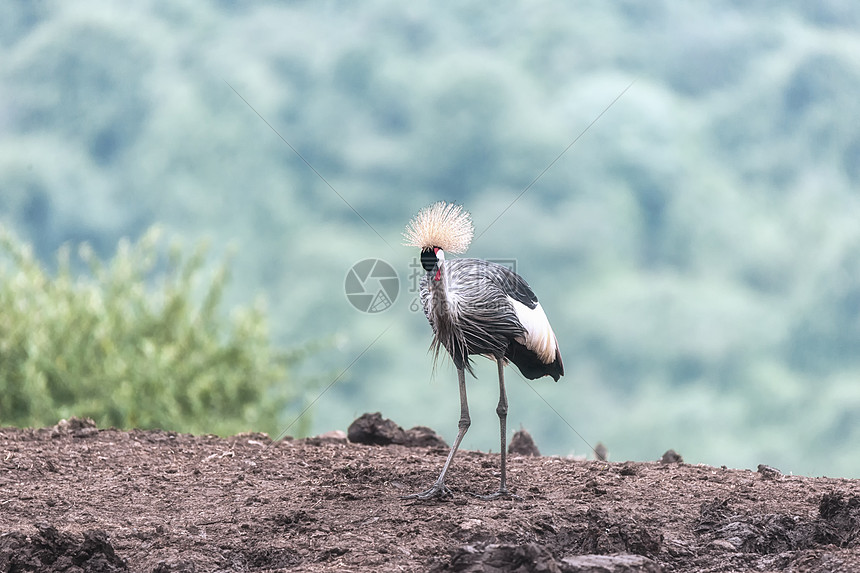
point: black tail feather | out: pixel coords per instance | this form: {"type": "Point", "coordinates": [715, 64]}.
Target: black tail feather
{"type": "Point", "coordinates": [530, 365]}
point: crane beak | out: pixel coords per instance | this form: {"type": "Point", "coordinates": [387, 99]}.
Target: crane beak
{"type": "Point", "coordinates": [440, 256]}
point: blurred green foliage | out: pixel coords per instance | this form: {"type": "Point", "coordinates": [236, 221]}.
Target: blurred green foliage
{"type": "Point", "coordinates": [139, 342]}
{"type": "Point", "coordinates": [697, 250]}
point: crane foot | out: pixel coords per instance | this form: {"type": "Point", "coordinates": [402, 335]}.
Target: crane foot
{"type": "Point", "coordinates": [501, 494]}
{"type": "Point", "coordinates": [439, 490]}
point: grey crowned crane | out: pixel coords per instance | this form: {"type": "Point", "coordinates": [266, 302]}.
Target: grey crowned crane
{"type": "Point", "coordinates": [477, 307]}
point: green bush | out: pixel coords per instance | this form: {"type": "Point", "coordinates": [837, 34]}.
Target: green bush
{"type": "Point", "coordinates": [139, 342]}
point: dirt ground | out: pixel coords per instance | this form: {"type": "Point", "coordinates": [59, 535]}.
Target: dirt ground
{"type": "Point", "coordinates": [77, 498]}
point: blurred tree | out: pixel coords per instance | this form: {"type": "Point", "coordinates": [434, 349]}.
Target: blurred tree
{"type": "Point", "coordinates": [111, 347]}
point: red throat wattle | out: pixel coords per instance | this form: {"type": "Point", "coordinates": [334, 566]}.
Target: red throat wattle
{"type": "Point", "coordinates": [438, 276]}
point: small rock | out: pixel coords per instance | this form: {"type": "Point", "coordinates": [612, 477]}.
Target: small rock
{"type": "Point", "coordinates": [628, 469]}
{"type": "Point", "coordinates": [619, 563]}
{"type": "Point", "coordinates": [253, 438]}
{"type": "Point", "coordinates": [528, 558]}
{"type": "Point", "coordinates": [601, 452]}
{"type": "Point", "coordinates": [470, 524]}
{"type": "Point", "coordinates": [77, 427]}
{"type": "Point", "coordinates": [75, 423]}
{"type": "Point", "coordinates": [175, 567]}
{"type": "Point", "coordinates": [522, 444]}
{"type": "Point", "coordinates": [423, 437]}
{"type": "Point", "coordinates": [671, 457]}
{"type": "Point", "coordinates": [333, 436]}
{"type": "Point", "coordinates": [722, 545]}
{"type": "Point", "coordinates": [768, 472]}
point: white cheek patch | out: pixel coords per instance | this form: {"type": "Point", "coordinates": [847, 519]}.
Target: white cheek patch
{"type": "Point", "coordinates": [539, 337]}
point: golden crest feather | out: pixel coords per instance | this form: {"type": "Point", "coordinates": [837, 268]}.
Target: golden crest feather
{"type": "Point", "coordinates": [443, 225]}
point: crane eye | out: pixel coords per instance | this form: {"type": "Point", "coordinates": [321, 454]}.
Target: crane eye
{"type": "Point", "coordinates": [428, 260]}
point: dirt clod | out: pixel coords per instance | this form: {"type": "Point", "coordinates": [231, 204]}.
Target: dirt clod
{"type": "Point", "coordinates": [522, 444]}
{"type": "Point", "coordinates": [528, 558]}
{"type": "Point", "coordinates": [839, 520]}
{"type": "Point", "coordinates": [175, 567]}
{"type": "Point", "coordinates": [49, 550]}
{"type": "Point", "coordinates": [423, 437]}
{"type": "Point", "coordinates": [768, 472]}
{"type": "Point", "coordinates": [374, 430]}
{"type": "Point", "coordinates": [621, 563]}
{"type": "Point", "coordinates": [77, 427]}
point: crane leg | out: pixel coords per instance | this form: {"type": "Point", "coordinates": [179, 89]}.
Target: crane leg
{"type": "Point", "coordinates": [502, 411]}
{"type": "Point", "coordinates": [439, 489]}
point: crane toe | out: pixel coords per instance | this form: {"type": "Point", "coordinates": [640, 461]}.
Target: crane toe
{"type": "Point", "coordinates": [500, 494]}
{"type": "Point", "coordinates": [439, 490]}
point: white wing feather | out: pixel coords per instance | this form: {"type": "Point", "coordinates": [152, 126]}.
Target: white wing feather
{"type": "Point", "coordinates": [539, 337]}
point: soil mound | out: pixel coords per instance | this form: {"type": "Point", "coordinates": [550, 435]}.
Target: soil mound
{"type": "Point", "coordinates": [47, 550]}
{"type": "Point", "coordinates": [78, 498]}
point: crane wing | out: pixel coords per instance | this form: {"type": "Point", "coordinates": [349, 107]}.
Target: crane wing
{"type": "Point", "coordinates": [536, 351]}
{"type": "Point", "coordinates": [513, 285]}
